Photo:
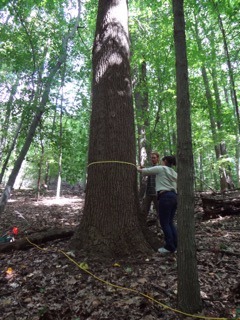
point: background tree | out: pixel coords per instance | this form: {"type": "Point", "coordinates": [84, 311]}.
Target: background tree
{"type": "Point", "coordinates": [189, 298]}
{"type": "Point", "coordinates": [142, 108]}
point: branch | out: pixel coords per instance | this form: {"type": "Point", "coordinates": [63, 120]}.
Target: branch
{"type": "Point", "coordinates": [37, 238]}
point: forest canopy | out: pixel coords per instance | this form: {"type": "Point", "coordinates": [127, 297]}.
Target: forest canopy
{"type": "Point", "coordinates": [45, 53]}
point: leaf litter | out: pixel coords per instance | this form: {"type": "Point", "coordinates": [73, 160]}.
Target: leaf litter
{"type": "Point", "coordinates": [44, 285]}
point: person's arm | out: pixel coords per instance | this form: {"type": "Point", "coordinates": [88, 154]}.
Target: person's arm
{"type": "Point", "coordinates": [149, 171]}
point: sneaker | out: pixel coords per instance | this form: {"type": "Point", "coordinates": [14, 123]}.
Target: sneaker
{"type": "Point", "coordinates": [163, 250]}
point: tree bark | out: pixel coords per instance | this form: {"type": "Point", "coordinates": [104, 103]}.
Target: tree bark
{"type": "Point", "coordinates": [189, 299]}
{"type": "Point", "coordinates": [212, 110]}
{"type": "Point", "coordinates": [59, 181]}
{"type": "Point", "coordinates": [5, 127]}
{"type": "Point", "coordinates": [230, 70]}
{"type": "Point", "coordinates": [11, 148]}
{"type": "Point", "coordinates": [233, 92]}
{"type": "Point", "coordinates": [110, 225]}
{"type": "Point", "coordinates": [40, 167]}
{"type": "Point", "coordinates": [142, 109]}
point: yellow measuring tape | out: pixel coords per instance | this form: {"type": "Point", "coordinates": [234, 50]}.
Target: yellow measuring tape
{"type": "Point", "coordinates": [112, 161]}
{"type": "Point", "coordinates": [125, 288]}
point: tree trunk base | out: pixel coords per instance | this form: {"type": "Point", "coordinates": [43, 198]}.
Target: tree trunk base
{"type": "Point", "coordinates": [115, 245]}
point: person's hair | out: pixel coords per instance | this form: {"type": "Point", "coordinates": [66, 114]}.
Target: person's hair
{"type": "Point", "coordinates": [170, 161]}
{"type": "Point", "coordinates": [156, 154]}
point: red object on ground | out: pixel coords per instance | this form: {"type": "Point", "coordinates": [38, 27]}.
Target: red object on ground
{"type": "Point", "coordinates": [15, 231]}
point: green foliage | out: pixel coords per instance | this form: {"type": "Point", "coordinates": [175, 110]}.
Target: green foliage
{"type": "Point", "coordinates": [31, 42]}
{"type": "Point", "coordinates": [32, 33]}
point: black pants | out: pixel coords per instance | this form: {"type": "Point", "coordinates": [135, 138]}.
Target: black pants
{"type": "Point", "coordinates": [147, 201]}
{"type": "Point", "coordinates": [167, 206]}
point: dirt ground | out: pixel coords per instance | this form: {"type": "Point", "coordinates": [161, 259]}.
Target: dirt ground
{"type": "Point", "coordinates": [46, 282]}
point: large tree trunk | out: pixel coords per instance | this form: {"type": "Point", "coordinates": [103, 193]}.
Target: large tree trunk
{"type": "Point", "coordinates": [189, 299]}
{"type": "Point", "coordinates": [110, 225]}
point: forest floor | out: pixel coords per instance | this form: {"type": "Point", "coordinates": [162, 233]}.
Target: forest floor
{"type": "Point", "coordinates": [42, 283]}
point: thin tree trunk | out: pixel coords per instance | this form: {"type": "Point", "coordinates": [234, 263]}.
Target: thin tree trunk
{"type": "Point", "coordinates": [230, 70]}
{"type": "Point", "coordinates": [215, 125]}
{"type": "Point", "coordinates": [161, 89]}
{"type": "Point", "coordinates": [233, 92]}
{"type": "Point", "coordinates": [201, 173]}
{"type": "Point", "coordinates": [59, 181]}
{"type": "Point", "coordinates": [189, 299]}
{"type": "Point", "coordinates": [215, 134]}
{"type": "Point", "coordinates": [168, 131]}
{"type": "Point", "coordinates": [142, 109]}
{"type": "Point", "coordinates": [237, 157]}
{"type": "Point", "coordinates": [46, 177]}
{"type": "Point", "coordinates": [11, 148]}
{"type": "Point", "coordinates": [144, 147]}
{"type": "Point", "coordinates": [40, 170]}
{"type": "Point", "coordinates": [225, 174]}
{"type": "Point", "coordinates": [4, 129]}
